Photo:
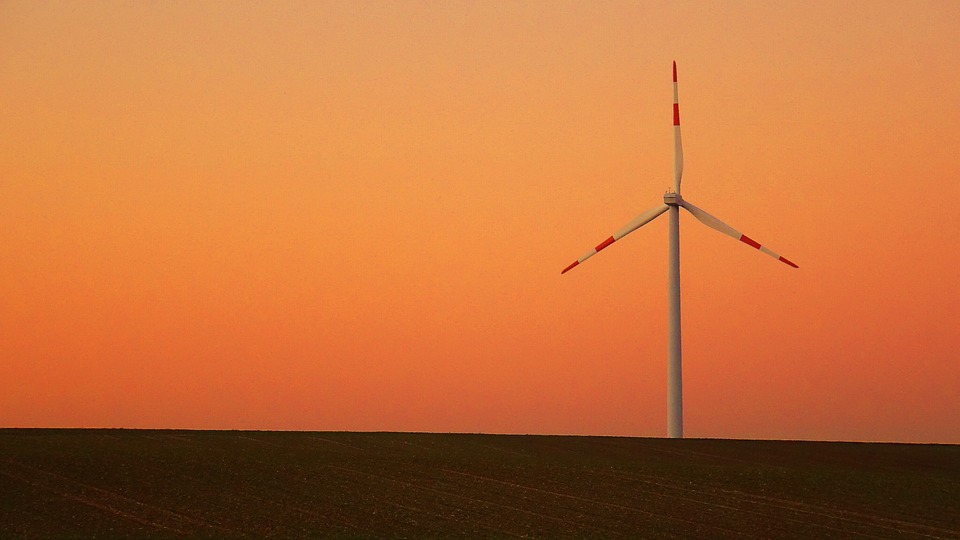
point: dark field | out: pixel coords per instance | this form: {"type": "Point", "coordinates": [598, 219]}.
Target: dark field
{"type": "Point", "coordinates": [56, 483]}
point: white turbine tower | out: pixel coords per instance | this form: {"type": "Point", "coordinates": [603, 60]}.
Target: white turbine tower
{"type": "Point", "coordinates": [672, 202]}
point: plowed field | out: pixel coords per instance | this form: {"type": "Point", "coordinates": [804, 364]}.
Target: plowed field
{"type": "Point", "coordinates": [136, 483]}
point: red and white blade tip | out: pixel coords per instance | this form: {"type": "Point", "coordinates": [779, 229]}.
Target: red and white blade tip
{"type": "Point", "coordinates": [676, 106]}
{"type": "Point", "coordinates": [756, 245]}
{"type": "Point", "coordinates": [592, 252]}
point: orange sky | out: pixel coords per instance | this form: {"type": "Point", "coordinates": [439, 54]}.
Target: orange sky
{"type": "Point", "coordinates": [353, 216]}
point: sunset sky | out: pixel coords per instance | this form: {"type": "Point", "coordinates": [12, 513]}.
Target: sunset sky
{"type": "Point", "coordinates": [353, 216]}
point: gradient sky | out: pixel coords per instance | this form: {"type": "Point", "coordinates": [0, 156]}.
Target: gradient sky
{"type": "Point", "coordinates": [353, 216]}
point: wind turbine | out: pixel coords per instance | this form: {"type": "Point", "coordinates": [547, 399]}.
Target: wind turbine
{"type": "Point", "coordinates": [672, 202]}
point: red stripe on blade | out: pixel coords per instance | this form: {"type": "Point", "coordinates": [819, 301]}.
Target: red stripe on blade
{"type": "Point", "coordinates": [569, 267]}
{"type": "Point", "coordinates": [605, 243]}
{"type": "Point", "coordinates": [748, 241]}
{"type": "Point", "coordinates": [676, 114]}
{"type": "Point", "coordinates": [674, 72]}
{"type": "Point", "coordinates": [788, 262]}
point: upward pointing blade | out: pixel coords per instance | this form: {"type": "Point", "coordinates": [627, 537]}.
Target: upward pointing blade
{"type": "Point", "coordinates": [677, 146]}
{"type": "Point", "coordinates": [715, 223]}
{"type": "Point", "coordinates": [634, 224]}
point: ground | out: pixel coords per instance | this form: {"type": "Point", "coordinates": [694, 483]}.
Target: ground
{"type": "Point", "coordinates": [163, 483]}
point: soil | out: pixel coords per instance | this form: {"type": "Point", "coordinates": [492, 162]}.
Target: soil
{"type": "Point", "coordinates": [164, 483]}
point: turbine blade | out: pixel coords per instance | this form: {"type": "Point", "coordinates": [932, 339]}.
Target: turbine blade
{"type": "Point", "coordinates": [677, 146]}
{"type": "Point", "coordinates": [715, 223]}
{"type": "Point", "coordinates": [634, 224]}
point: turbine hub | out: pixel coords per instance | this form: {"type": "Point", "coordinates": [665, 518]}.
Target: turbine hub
{"type": "Point", "coordinates": [671, 199]}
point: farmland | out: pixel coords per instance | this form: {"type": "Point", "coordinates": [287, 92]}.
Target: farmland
{"type": "Point", "coordinates": [166, 483]}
